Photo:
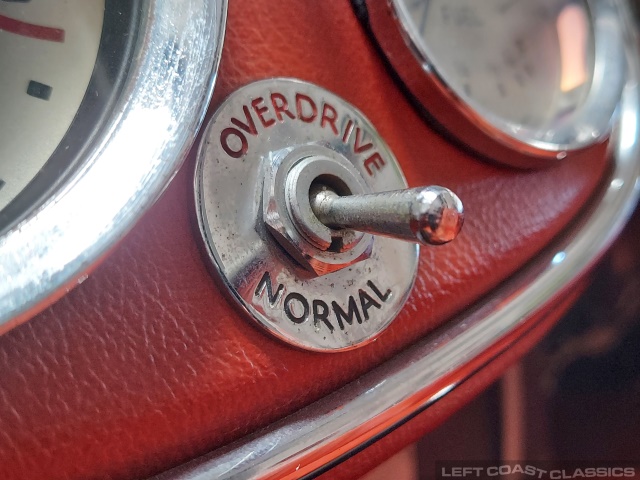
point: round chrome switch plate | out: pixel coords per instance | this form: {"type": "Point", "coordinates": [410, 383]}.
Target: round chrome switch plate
{"type": "Point", "coordinates": [260, 138]}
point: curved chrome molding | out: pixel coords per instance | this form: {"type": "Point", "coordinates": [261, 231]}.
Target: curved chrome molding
{"type": "Point", "coordinates": [165, 96]}
{"type": "Point", "coordinates": [355, 416]}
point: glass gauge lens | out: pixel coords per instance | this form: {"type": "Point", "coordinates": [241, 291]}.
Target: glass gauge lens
{"type": "Point", "coordinates": [526, 62]}
{"type": "Point", "coordinates": [47, 54]}
{"type": "Point", "coordinates": [520, 82]}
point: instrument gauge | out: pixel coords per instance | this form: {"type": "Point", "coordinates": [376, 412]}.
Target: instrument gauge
{"type": "Point", "coordinates": [520, 82]}
{"type": "Point", "coordinates": [99, 102]}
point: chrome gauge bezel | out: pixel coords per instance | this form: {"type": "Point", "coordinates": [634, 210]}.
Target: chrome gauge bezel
{"type": "Point", "coordinates": [141, 144]}
{"type": "Point", "coordinates": [493, 138]}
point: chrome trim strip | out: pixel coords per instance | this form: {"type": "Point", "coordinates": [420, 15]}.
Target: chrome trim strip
{"type": "Point", "coordinates": [163, 103]}
{"type": "Point", "coordinates": [358, 414]}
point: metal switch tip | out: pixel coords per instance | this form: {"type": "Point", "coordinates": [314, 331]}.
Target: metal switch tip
{"type": "Point", "coordinates": [427, 215]}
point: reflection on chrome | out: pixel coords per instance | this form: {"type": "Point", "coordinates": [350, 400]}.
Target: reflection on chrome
{"type": "Point", "coordinates": [558, 258]}
{"type": "Point", "coordinates": [573, 36]}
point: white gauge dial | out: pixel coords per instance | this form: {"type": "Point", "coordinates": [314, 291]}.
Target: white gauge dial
{"type": "Point", "coordinates": [519, 60]}
{"type": "Point", "coordinates": [47, 54]}
{"type": "Point", "coordinates": [521, 82]}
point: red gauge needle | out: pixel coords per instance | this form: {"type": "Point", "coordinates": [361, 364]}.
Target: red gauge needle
{"type": "Point", "coordinates": [30, 30]}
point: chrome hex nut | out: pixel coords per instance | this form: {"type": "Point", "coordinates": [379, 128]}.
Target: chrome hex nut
{"type": "Point", "coordinates": [290, 175]}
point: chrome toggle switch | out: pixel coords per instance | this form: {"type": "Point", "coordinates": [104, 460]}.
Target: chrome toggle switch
{"type": "Point", "coordinates": [301, 204]}
{"type": "Point", "coordinates": [426, 215]}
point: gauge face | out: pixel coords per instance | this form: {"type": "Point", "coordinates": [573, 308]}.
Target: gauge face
{"type": "Point", "coordinates": [520, 82]}
{"type": "Point", "coordinates": [522, 61]}
{"type": "Point", "coordinates": [48, 51]}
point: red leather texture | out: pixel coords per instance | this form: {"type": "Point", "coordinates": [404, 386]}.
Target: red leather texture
{"type": "Point", "coordinates": [146, 364]}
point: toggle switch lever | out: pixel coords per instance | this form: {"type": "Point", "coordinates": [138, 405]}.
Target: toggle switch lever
{"type": "Point", "coordinates": [427, 215]}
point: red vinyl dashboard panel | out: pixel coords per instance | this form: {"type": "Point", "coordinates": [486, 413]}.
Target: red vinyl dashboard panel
{"type": "Point", "coordinates": [148, 364]}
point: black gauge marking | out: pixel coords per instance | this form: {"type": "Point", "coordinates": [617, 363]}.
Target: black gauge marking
{"type": "Point", "coordinates": [424, 5]}
{"type": "Point", "coordinates": [444, 13]}
{"type": "Point", "coordinates": [39, 90]}
{"type": "Point", "coordinates": [423, 20]}
{"type": "Point", "coordinates": [461, 16]}
{"type": "Point", "coordinates": [418, 4]}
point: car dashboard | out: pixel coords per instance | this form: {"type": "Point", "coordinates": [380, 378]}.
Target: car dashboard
{"type": "Point", "coordinates": [260, 239]}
